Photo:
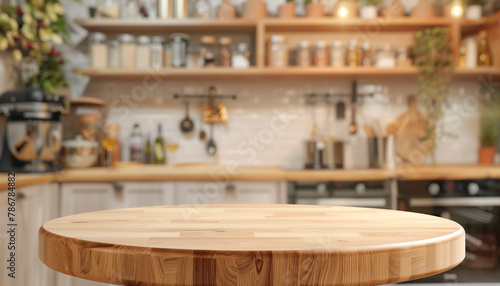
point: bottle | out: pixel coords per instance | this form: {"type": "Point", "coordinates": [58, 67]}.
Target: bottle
{"type": "Point", "coordinates": [136, 146]}
{"type": "Point", "coordinates": [483, 58]}
{"type": "Point", "coordinates": [352, 54]}
{"type": "Point", "coordinates": [159, 149]}
{"type": "Point", "coordinates": [147, 152]}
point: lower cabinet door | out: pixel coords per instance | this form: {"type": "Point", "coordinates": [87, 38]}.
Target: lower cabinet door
{"type": "Point", "coordinates": [147, 194]}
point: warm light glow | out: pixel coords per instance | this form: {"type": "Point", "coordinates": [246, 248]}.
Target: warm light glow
{"type": "Point", "coordinates": [457, 10]}
{"type": "Point", "coordinates": [343, 12]}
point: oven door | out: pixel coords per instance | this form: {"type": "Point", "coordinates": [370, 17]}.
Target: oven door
{"type": "Point", "coordinates": [475, 206]}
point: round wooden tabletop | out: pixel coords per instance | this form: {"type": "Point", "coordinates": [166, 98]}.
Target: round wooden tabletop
{"type": "Point", "coordinates": [251, 245]}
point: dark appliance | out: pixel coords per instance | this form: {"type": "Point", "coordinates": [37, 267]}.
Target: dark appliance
{"type": "Point", "coordinates": [30, 125]}
{"type": "Point", "coordinates": [474, 204]}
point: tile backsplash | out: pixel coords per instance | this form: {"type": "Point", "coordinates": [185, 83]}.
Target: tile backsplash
{"type": "Point", "coordinates": [270, 120]}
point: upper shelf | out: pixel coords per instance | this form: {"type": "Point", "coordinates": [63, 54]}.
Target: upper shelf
{"type": "Point", "coordinates": [166, 25]}
{"type": "Point", "coordinates": [254, 72]}
{"type": "Point", "coordinates": [276, 24]}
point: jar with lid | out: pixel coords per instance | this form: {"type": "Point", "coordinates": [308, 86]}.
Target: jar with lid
{"type": "Point", "coordinates": [127, 51]}
{"type": "Point", "coordinates": [352, 54]}
{"type": "Point", "coordinates": [207, 51]}
{"type": "Point", "coordinates": [278, 53]}
{"type": "Point", "coordinates": [402, 58]}
{"type": "Point", "coordinates": [366, 60]}
{"type": "Point", "coordinates": [241, 57]}
{"type": "Point", "coordinates": [157, 52]}
{"type": "Point", "coordinates": [167, 56]}
{"type": "Point", "coordinates": [143, 52]}
{"type": "Point", "coordinates": [109, 8]}
{"type": "Point", "coordinates": [114, 53]}
{"type": "Point", "coordinates": [337, 54]}
{"type": "Point", "coordinates": [98, 51]}
{"type": "Point", "coordinates": [320, 54]}
{"type": "Point", "coordinates": [224, 53]}
{"type": "Point", "coordinates": [385, 57]}
{"type": "Point", "coordinates": [179, 48]}
{"type": "Point", "coordinates": [130, 9]}
{"type": "Point", "coordinates": [303, 54]}
{"type": "Point", "coordinates": [200, 9]}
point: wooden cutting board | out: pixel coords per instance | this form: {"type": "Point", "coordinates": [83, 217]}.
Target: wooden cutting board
{"type": "Point", "coordinates": [251, 245]}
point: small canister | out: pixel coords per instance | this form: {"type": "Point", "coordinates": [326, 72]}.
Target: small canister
{"type": "Point", "coordinates": [143, 52]}
{"type": "Point", "coordinates": [98, 51]}
{"type": "Point", "coordinates": [179, 45]}
{"type": "Point", "coordinates": [157, 52]}
{"type": "Point", "coordinates": [207, 51]}
{"type": "Point", "coordinates": [128, 50]}
{"type": "Point", "coordinates": [337, 54]}
{"type": "Point", "coordinates": [303, 54]}
{"type": "Point", "coordinates": [224, 53]}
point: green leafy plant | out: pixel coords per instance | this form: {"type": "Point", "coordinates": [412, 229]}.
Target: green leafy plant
{"type": "Point", "coordinates": [490, 119]}
{"type": "Point", "coordinates": [372, 2]}
{"type": "Point", "coordinates": [290, 1]}
{"type": "Point", "coordinates": [433, 56]}
{"type": "Point", "coordinates": [30, 32]}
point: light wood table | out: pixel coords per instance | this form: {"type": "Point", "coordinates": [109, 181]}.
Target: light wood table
{"type": "Point", "coordinates": [251, 245]}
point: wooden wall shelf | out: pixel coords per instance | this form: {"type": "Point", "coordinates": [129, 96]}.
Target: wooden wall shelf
{"type": "Point", "coordinates": [278, 72]}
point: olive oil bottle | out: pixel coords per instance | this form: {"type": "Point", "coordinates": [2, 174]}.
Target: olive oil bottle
{"type": "Point", "coordinates": [159, 149]}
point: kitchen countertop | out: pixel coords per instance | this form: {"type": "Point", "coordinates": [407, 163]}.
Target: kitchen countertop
{"type": "Point", "coordinates": [149, 173]}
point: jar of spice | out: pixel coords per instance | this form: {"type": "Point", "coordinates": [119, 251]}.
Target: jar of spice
{"type": "Point", "coordinates": [484, 57]}
{"type": "Point", "coordinates": [143, 52]}
{"type": "Point", "coordinates": [352, 54]}
{"type": "Point", "coordinates": [303, 54]}
{"type": "Point", "coordinates": [98, 51]}
{"type": "Point", "coordinates": [224, 52]}
{"type": "Point", "coordinates": [157, 52]}
{"type": "Point", "coordinates": [241, 57]}
{"type": "Point", "coordinates": [127, 51]}
{"type": "Point", "coordinates": [179, 45]}
{"type": "Point", "coordinates": [207, 51]}
{"type": "Point", "coordinates": [278, 53]}
{"type": "Point", "coordinates": [367, 55]}
{"type": "Point", "coordinates": [320, 54]}
{"type": "Point", "coordinates": [167, 56]}
{"type": "Point", "coordinates": [402, 58]}
{"type": "Point", "coordinates": [337, 54]}
{"type": "Point", "coordinates": [385, 57]}
{"type": "Point", "coordinates": [114, 54]}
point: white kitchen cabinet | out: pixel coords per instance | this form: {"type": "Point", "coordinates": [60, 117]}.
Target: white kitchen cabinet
{"type": "Point", "coordinates": [88, 197]}
{"type": "Point", "coordinates": [35, 205]}
{"type": "Point", "coordinates": [188, 193]}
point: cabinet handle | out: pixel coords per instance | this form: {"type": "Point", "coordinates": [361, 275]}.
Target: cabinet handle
{"type": "Point", "coordinates": [21, 196]}
{"type": "Point", "coordinates": [118, 188]}
{"type": "Point", "coordinates": [230, 188]}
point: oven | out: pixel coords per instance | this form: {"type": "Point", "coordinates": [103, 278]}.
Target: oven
{"type": "Point", "coordinates": [374, 194]}
{"type": "Point", "coordinates": [473, 204]}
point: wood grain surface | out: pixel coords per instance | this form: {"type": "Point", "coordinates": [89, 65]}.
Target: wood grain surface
{"type": "Point", "coordinates": [251, 245]}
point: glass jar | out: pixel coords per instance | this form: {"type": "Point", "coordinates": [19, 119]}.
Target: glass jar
{"type": "Point", "coordinates": [402, 58]}
{"type": "Point", "coordinates": [303, 54]}
{"type": "Point", "coordinates": [278, 53]}
{"type": "Point", "coordinates": [127, 51]}
{"type": "Point", "coordinates": [241, 57]}
{"type": "Point", "coordinates": [463, 55]}
{"type": "Point", "coordinates": [109, 8]}
{"type": "Point", "coordinates": [157, 52]}
{"type": "Point", "coordinates": [114, 54]}
{"type": "Point", "coordinates": [200, 9]}
{"type": "Point", "coordinates": [484, 57]}
{"type": "Point", "coordinates": [179, 46]}
{"type": "Point", "coordinates": [167, 56]}
{"type": "Point", "coordinates": [337, 54]}
{"type": "Point", "coordinates": [320, 54]}
{"type": "Point", "coordinates": [207, 51]}
{"type": "Point", "coordinates": [366, 60]}
{"type": "Point", "coordinates": [224, 53]}
{"type": "Point", "coordinates": [352, 54]}
{"type": "Point", "coordinates": [385, 57]}
{"type": "Point", "coordinates": [130, 9]}
{"type": "Point", "coordinates": [143, 52]}
{"type": "Point", "coordinates": [98, 51]}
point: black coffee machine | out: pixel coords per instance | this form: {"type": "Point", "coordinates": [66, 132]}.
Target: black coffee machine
{"type": "Point", "coordinates": [30, 131]}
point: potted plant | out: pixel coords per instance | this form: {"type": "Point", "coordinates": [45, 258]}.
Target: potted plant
{"type": "Point", "coordinates": [474, 9]}
{"type": "Point", "coordinates": [287, 10]}
{"type": "Point", "coordinates": [424, 9]}
{"type": "Point", "coordinates": [433, 56]}
{"type": "Point", "coordinates": [490, 116]}
{"type": "Point", "coordinates": [254, 9]}
{"type": "Point", "coordinates": [314, 9]}
{"type": "Point", "coordinates": [346, 9]}
{"type": "Point", "coordinates": [370, 9]}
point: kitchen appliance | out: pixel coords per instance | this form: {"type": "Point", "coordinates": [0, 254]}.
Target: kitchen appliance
{"type": "Point", "coordinates": [474, 204]}
{"type": "Point", "coordinates": [375, 194]}
{"type": "Point", "coordinates": [30, 123]}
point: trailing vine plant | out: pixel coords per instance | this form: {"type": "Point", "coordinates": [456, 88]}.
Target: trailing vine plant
{"type": "Point", "coordinates": [433, 56]}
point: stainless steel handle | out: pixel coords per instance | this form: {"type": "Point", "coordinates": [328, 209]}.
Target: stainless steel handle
{"type": "Point", "coordinates": [455, 202]}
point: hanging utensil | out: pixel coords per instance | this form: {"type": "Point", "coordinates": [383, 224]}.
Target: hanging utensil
{"type": "Point", "coordinates": [211, 147]}
{"type": "Point", "coordinates": [221, 107]}
{"type": "Point", "coordinates": [353, 127]}
{"type": "Point", "coordinates": [202, 135]}
{"type": "Point", "coordinates": [210, 113]}
{"type": "Point", "coordinates": [187, 124]}
{"type": "Point", "coordinates": [340, 110]}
